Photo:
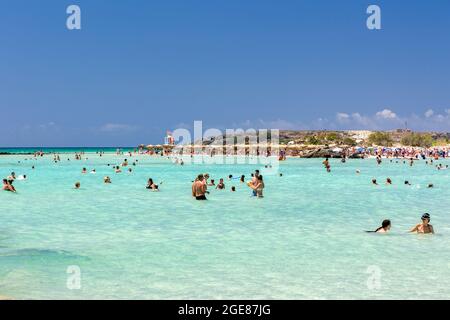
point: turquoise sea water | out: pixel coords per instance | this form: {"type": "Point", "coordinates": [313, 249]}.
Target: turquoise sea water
{"type": "Point", "coordinates": [304, 240]}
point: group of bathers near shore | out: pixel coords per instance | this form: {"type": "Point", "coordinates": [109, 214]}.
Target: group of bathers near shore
{"type": "Point", "coordinates": [202, 182]}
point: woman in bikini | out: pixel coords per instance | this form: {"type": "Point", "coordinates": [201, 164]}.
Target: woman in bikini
{"type": "Point", "coordinates": [425, 226]}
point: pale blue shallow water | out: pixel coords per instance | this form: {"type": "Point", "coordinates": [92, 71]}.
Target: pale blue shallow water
{"type": "Point", "coordinates": [304, 240]}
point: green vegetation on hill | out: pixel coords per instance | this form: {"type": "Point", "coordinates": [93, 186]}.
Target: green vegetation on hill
{"type": "Point", "coordinates": [417, 140]}
{"type": "Point", "coordinates": [380, 139]}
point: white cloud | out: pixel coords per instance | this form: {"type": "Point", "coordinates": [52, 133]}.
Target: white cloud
{"type": "Point", "coordinates": [117, 127]}
{"type": "Point", "coordinates": [388, 120]}
{"type": "Point", "coordinates": [429, 113]}
{"type": "Point", "coordinates": [386, 114]}
{"type": "Point", "coordinates": [340, 116]}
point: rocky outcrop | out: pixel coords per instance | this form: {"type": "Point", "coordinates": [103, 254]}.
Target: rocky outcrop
{"type": "Point", "coordinates": [308, 151]}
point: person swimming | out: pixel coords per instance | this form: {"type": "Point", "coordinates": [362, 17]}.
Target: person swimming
{"type": "Point", "coordinates": [407, 183]}
{"type": "Point", "coordinates": [151, 185]}
{"type": "Point", "coordinates": [77, 185]}
{"type": "Point", "coordinates": [385, 227]}
{"type": "Point", "coordinates": [107, 179]}
{"type": "Point", "coordinates": [84, 170]}
{"type": "Point", "coordinates": [374, 181]}
{"type": "Point", "coordinates": [388, 181]}
{"type": "Point", "coordinates": [233, 189]}
{"type": "Point", "coordinates": [242, 179]}
{"type": "Point", "coordinates": [425, 227]}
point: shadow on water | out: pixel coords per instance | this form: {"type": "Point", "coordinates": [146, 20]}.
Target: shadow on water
{"type": "Point", "coordinates": [41, 254]}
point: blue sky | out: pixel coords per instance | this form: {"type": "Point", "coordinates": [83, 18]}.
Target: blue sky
{"type": "Point", "coordinates": [139, 68]}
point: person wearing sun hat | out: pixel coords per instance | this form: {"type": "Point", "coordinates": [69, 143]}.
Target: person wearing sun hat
{"type": "Point", "coordinates": [425, 226]}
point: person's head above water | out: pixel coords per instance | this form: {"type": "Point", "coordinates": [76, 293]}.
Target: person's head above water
{"type": "Point", "coordinates": [385, 225]}
{"type": "Point", "coordinates": [426, 218]}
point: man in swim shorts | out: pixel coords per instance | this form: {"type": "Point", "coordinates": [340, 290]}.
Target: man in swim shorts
{"type": "Point", "coordinates": [199, 188]}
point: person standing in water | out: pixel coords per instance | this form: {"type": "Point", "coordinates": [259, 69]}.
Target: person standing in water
{"type": "Point", "coordinates": [326, 164]}
{"type": "Point", "coordinates": [258, 188]}
{"type": "Point", "coordinates": [254, 182]}
{"type": "Point", "coordinates": [220, 185]}
{"type": "Point", "coordinates": [7, 185]}
{"type": "Point", "coordinates": [425, 226]}
{"type": "Point", "coordinates": [199, 188]}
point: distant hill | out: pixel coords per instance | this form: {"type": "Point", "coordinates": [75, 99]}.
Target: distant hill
{"type": "Point", "coordinates": [396, 137]}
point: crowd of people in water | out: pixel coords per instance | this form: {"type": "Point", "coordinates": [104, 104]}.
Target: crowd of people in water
{"type": "Point", "coordinates": [203, 182]}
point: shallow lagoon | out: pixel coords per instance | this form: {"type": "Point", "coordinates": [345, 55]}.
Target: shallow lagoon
{"type": "Point", "coordinates": [304, 240]}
